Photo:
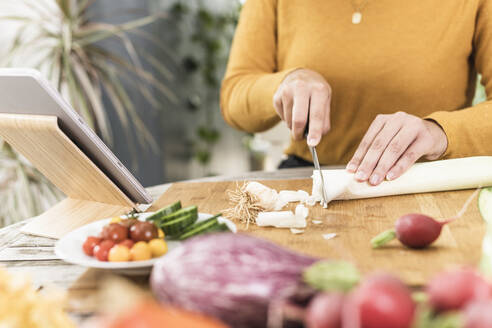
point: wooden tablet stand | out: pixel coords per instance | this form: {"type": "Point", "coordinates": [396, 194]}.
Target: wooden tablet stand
{"type": "Point", "coordinates": [91, 195]}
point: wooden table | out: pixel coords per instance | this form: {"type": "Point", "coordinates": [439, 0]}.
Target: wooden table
{"type": "Point", "coordinates": [21, 253]}
{"type": "Point", "coordinates": [35, 255]}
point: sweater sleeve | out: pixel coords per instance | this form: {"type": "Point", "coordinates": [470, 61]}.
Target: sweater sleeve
{"type": "Point", "coordinates": [469, 130]}
{"type": "Point", "coordinates": [252, 75]}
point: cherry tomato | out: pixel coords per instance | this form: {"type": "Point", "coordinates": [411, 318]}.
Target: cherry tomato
{"type": "Point", "coordinates": [128, 222]}
{"type": "Point", "coordinates": [140, 252]}
{"type": "Point", "coordinates": [116, 219]}
{"type": "Point", "coordinates": [158, 247]}
{"type": "Point", "coordinates": [128, 243]}
{"type": "Point", "coordinates": [143, 231]}
{"type": "Point", "coordinates": [115, 232]}
{"type": "Point", "coordinates": [101, 250]}
{"type": "Point", "coordinates": [119, 253]}
{"type": "Point", "coordinates": [89, 245]}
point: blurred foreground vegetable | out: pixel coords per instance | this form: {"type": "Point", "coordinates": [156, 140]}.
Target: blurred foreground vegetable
{"type": "Point", "coordinates": [22, 306]}
{"type": "Point", "coordinates": [232, 277]}
{"type": "Point", "coordinates": [149, 314]}
{"type": "Point", "coordinates": [453, 290]}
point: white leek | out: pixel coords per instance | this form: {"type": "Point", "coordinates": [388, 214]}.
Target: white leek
{"type": "Point", "coordinates": [453, 174]}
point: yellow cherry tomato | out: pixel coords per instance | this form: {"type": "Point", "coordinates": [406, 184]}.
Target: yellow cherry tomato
{"type": "Point", "coordinates": [160, 233]}
{"type": "Point", "coordinates": [158, 247]}
{"type": "Point", "coordinates": [116, 219]}
{"type": "Point", "coordinates": [119, 253]}
{"type": "Point", "coordinates": [140, 252]}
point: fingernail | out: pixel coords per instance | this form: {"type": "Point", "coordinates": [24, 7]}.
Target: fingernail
{"type": "Point", "coordinates": [313, 142]}
{"type": "Point", "coordinates": [351, 167]}
{"type": "Point", "coordinates": [361, 176]}
{"type": "Point", "coordinates": [375, 179]}
{"type": "Point", "coordinates": [390, 176]}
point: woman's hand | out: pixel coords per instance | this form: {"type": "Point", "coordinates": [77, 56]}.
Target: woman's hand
{"type": "Point", "coordinates": [304, 91]}
{"type": "Point", "coordinates": [392, 144]}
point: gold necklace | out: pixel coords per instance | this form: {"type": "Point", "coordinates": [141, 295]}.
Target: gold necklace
{"type": "Point", "coordinates": [357, 15]}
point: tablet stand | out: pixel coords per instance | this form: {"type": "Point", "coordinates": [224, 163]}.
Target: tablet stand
{"type": "Point", "coordinates": [91, 195]}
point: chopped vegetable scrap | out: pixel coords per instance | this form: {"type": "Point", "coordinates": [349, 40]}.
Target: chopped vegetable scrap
{"type": "Point", "coordinates": [316, 221]}
{"type": "Point", "coordinates": [290, 196]}
{"type": "Point", "coordinates": [245, 206]}
{"type": "Point", "coordinates": [296, 231]}
{"type": "Point", "coordinates": [284, 219]}
{"type": "Point", "coordinates": [328, 236]}
{"type": "Point", "coordinates": [256, 203]}
{"type": "Point", "coordinates": [268, 198]}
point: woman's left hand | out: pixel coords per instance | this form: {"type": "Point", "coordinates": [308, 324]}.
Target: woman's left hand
{"type": "Point", "coordinates": [392, 144]}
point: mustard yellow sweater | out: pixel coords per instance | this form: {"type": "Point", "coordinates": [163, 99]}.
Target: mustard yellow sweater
{"type": "Point", "coordinates": [416, 56]}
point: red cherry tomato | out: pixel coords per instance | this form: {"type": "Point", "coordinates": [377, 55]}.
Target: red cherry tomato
{"type": "Point", "coordinates": [128, 243]}
{"type": "Point", "coordinates": [128, 222]}
{"type": "Point", "coordinates": [101, 251]}
{"type": "Point", "coordinates": [115, 232]}
{"type": "Point", "coordinates": [89, 245]}
{"type": "Point", "coordinates": [143, 231]}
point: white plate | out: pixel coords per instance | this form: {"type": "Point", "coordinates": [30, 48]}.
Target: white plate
{"type": "Point", "coordinates": [69, 248]}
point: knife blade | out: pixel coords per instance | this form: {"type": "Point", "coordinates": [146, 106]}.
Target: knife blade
{"type": "Point", "coordinates": [317, 167]}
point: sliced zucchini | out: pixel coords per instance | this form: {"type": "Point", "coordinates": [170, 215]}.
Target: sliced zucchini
{"type": "Point", "coordinates": [177, 226]}
{"type": "Point", "coordinates": [485, 204]}
{"type": "Point", "coordinates": [207, 226]}
{"type": "Point", "coordinates": [190, 210]}
{"type": "Point", "coordinates": [202, 223]}
{"type": "Point", "coordinates": [165, 211]}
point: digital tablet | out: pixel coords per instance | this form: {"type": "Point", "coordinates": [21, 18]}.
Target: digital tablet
{"type": "Point", "coordinates": [26, 91]}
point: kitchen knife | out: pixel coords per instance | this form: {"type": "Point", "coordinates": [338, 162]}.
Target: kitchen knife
{"type": "Point", "coordinates": [317, 167]}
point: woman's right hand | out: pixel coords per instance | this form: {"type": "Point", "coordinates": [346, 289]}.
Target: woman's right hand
{"type": "Point", "coordinates": [304, 91]}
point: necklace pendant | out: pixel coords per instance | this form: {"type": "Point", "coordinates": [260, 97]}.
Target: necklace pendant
{"type": "Point", "coordinates": [356, 17]}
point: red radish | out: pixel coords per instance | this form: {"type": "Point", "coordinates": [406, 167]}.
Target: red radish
{"type": "Point", "coordinates": [452, 290]}
{"type": "Point", "coordinates": [381, 301]}
{"type": "Point", "coordinates": [325, 311]}
{"type": "Point", "coordinates": [478, 314]}
{"type": "Point", "coordinates": [417, 230]}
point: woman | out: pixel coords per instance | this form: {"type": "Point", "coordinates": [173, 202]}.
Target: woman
{"type": "Point", "coordinates": [385, 82]}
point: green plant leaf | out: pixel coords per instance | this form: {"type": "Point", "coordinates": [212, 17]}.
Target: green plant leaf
{"type": "Point", "coordinates": [203, 156]}
{"type": "Point", "coordinates": [209, 135]}
{"type": "Point", "coordinates": [65, 7]}
{"type": "Point", "coordinates": [158, 65]}
{"type": "Point", "coordinates": [94, 98]}
{"type": "Point", "coordinates": [95, 32]}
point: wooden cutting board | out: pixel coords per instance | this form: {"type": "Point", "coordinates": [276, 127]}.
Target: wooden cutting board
{"type": "Point", "coordinates": [355, 222]}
